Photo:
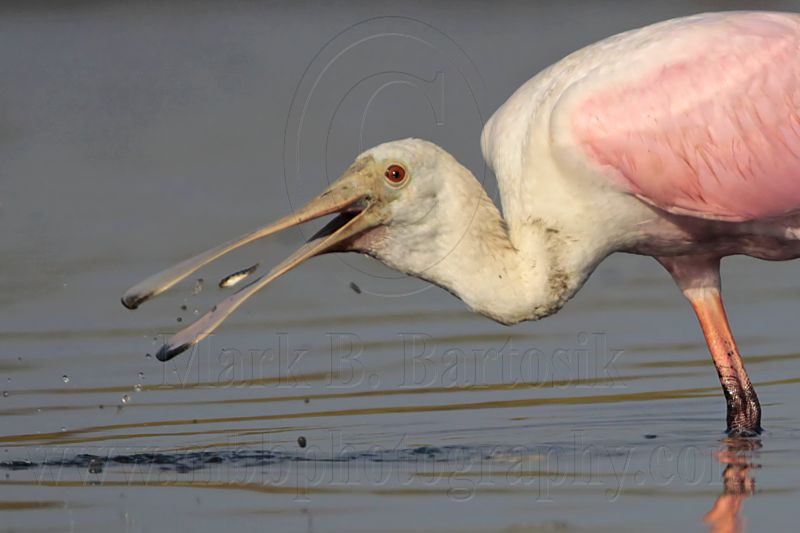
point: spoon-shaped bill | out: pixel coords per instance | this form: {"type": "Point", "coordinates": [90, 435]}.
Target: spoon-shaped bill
{"type": "Point", "coordinates": [338, 230]}
{"type": "Point", "coordinates": [341, 195]}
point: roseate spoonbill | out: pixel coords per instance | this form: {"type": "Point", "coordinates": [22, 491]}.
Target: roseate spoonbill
{"type": "Point", "coordinates": [680, 140]}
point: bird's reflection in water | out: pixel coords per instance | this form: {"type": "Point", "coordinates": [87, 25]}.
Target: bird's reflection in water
{"type": "Point", "coordinates": [738, 484]}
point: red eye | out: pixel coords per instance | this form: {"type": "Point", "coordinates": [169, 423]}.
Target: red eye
{"type": "Point", "coordinates": [395, 174]}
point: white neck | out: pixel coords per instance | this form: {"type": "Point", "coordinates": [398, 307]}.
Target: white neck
{"type": "Point", "coordinates": [499, 280]}
{"type": "Point", "coordinates": [465, 248]}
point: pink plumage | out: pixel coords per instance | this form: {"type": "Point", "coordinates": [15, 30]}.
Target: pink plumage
{"type": "Point", "coordinates": [711, 128]}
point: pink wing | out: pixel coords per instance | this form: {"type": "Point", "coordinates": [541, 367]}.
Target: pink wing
{"type": "Point", "coordinates": [702, 119]}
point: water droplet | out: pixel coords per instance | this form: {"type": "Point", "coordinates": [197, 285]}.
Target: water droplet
{"type": "Point", "coordinates": [301, 441]}
{"type": "Point", "coordinates": [183, 307]}
{"type": "Point", "coordinates": [65, 378]}
{"type": "Point", "coordinates": [198, 286]}
{"type": "Point", "coordinates": [126, 398]}
{"type": "Point", "coordinates": [38, 409]}
{"type": "Point", "coordinates": [147, 356]}
{"type": "Point", "coordinates": [179, 319]}
{"type": "Point", "coordinates": [141, 375]}
{"type": "Point", "coordinates": [138, 387]}
{"type": "Point", "coordinates": [196, 311]}
{"type": "Point", "coordinates": [63, 428]}
{"type": "Point", "coordinates": [5, 394]}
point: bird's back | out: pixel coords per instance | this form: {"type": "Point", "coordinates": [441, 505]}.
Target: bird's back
{"type": "Point", "coordinates": [697, 116]}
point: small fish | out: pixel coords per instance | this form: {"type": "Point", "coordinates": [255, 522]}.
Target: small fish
{"type": "Point", "coordinates": [236, 277]}
{"type": "Point", "coordinates": [356, 289]}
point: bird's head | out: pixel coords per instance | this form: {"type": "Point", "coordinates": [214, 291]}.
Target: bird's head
{"type": "Point", "coordinates": [410, 202]}
{"type": "Point", "coordinates": [404, 202]}
{"type": "Point", "coordinates": [390, 191]}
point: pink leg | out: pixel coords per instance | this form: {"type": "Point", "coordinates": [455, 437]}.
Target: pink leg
{"type": "Point", "coordinates": [698, 278]}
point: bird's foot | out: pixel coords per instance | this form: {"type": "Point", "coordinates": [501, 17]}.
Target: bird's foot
{"type": "Point", "coordinates": [744, 415]}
